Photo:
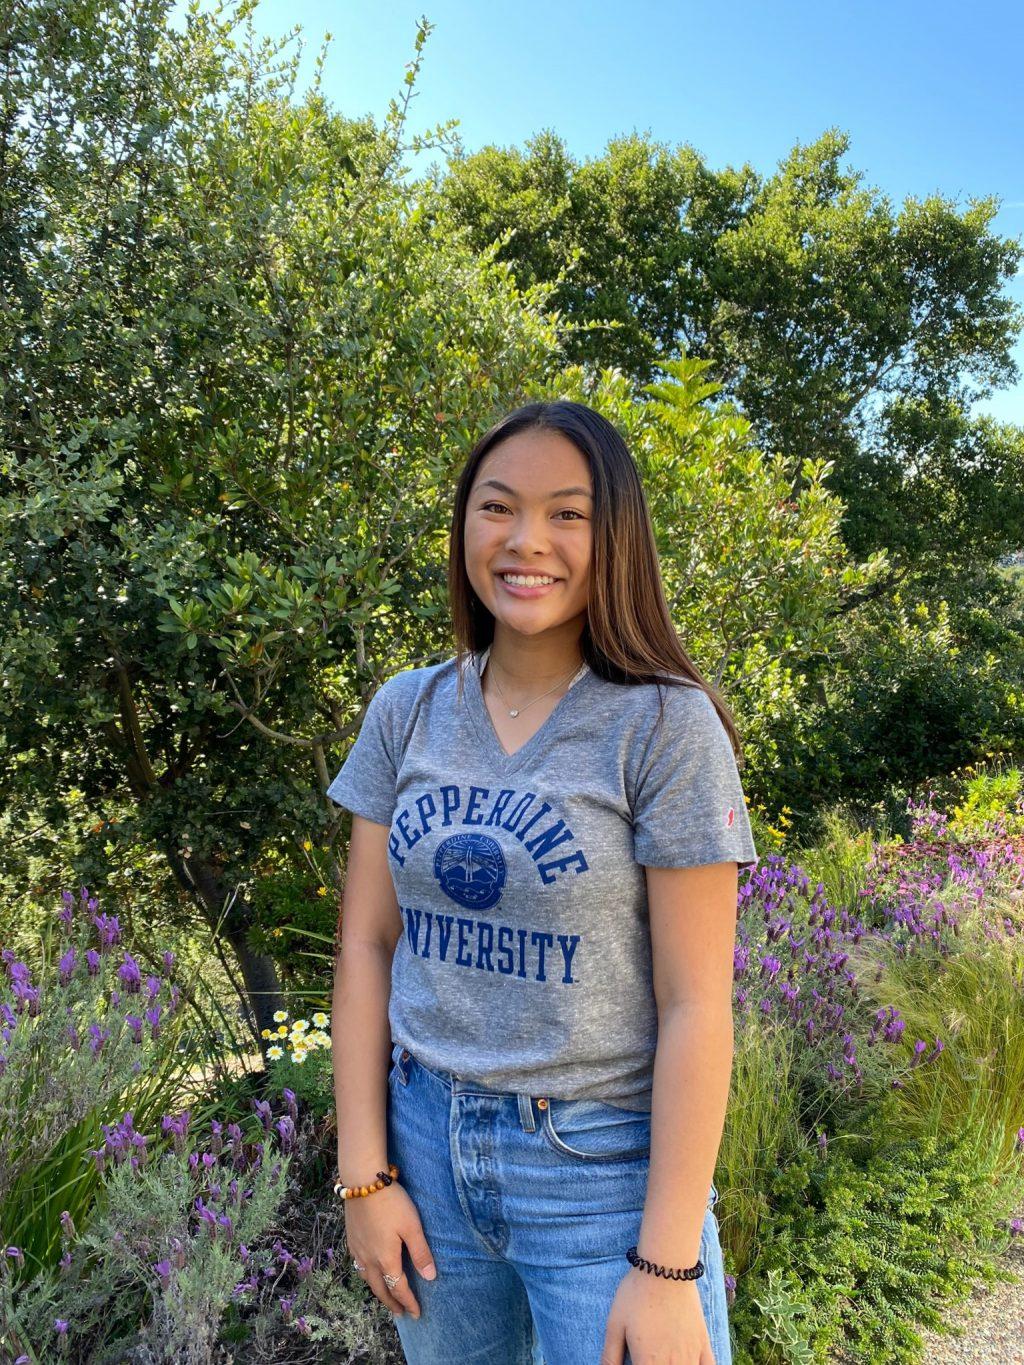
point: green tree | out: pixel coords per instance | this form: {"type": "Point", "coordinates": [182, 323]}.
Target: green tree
{"type": "Point", "coordinates": [844, 329]}
{"type": "Point", "coordinates": [240, 368]}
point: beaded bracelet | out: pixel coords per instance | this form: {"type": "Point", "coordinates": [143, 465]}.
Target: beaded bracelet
{"type": "Point", "coordinates": [693, 1273]}
{"type": "Point", "coordinates": [360, 1191]}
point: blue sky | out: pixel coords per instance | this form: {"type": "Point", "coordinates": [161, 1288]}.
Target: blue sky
{"type": "Point", "coordinates": [929, 94]}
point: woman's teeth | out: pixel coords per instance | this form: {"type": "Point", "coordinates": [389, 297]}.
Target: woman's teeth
{"type": "Point", "coordinates": [526, 580]}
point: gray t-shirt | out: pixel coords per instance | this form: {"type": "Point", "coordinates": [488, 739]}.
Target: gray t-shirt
{"type": "Point", "coordinates": [525, 957]}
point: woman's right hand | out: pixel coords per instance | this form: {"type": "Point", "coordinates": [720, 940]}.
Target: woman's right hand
{"type": "Point", "coordinates": [375, 1228]}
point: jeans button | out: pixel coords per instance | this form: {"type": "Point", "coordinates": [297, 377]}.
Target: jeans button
{"type": "Point", "coordinates": [405, 1055]}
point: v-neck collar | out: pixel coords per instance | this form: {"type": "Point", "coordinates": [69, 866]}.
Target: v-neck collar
{"type": "Point", "coordinates": [482, 717]}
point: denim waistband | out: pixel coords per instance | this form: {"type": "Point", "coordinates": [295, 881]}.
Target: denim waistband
{"type": "Point", "coordinates": [402, 1058]}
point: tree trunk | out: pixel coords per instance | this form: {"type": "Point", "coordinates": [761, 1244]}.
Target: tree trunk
{"type": "Point", "coordinates": [203, 881]}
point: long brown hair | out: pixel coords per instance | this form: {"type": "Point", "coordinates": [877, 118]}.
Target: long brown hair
{"type": "Point", "coordinates": [628, 637]}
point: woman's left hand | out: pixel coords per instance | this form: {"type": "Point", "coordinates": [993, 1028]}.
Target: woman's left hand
{"type": "Point", "coordinates": [659, 1321]}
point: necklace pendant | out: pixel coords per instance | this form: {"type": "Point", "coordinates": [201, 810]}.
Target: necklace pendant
{"type": "Point", "coordinates": [513, 713]}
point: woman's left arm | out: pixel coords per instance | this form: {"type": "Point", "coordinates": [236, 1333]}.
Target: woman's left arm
{"type": "Point", "coordinates": [693, 933]}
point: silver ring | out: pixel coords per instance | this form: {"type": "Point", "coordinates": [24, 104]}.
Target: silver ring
{"type": "Point", "coordinates": [392, 1280]}
{"type": "Point", "coordinates": [358, 1267]}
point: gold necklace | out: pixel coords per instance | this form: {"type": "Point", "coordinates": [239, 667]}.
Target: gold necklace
{"type": "Point", "coordinates": [514, 711]}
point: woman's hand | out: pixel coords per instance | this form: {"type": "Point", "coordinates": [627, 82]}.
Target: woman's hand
{"type": "Point", "coordinates": [658, 1321]}
{"type": "Point", "coordinates": [375, 1228]}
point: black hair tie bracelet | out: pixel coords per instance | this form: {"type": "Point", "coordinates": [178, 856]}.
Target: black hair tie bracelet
{"type": "Point", "coordinates": [693, 1273]}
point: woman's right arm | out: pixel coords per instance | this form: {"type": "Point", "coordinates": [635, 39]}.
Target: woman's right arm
{"type": "Point", "coordinates": [371, 925]}
{"type": "Point", "coordinates": [370, 928]}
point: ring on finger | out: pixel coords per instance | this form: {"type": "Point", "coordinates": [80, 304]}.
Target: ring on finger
{"type": "Point", "coordinates": [357, 1266]}
{"type": "Point", "coordinates": [392, 1280]}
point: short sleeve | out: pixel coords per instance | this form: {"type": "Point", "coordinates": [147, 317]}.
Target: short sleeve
{"type": "Point", "coordinates": [366, 781]}
{"type": "Point", "coordinates": [689, 806]}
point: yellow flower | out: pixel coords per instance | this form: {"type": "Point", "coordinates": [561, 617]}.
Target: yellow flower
{"type": "Point", "coordinates": [306, 845]}
{"type": "Point", "coordinates": [320, 1019]}
{"type": "Point", "coordinates": [280, 1016]}
{"type": "Point", "coordinates": [275, 1052]}
{"type": "Point", "coordinates": [319, 1039]}
{"type": "Point", "coordinates": [266, 1033]}
{"type": "Point", "coordinates": [298, 1058]}
{"type": "Point", "coordinates": [321, 891]}
{"type": "Point", "coordinates": [300, 1026]}
{"type": "Point", "coordinates": [282, 1030]}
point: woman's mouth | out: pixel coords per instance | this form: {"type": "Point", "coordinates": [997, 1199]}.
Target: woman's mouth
{"type": "Point", "coordinates": [527, 585]}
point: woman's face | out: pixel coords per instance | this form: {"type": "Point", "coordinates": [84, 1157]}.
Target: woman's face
{"type": "Point", "coordinates": [530, 511]}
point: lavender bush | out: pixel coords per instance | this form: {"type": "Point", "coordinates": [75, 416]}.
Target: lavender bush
{"type": "Point", "coordinates": [865, 1028]}
{"type": "Point", "coordinates": [89, 1030]}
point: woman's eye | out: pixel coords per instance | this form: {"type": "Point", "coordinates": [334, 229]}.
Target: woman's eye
{"type": "Point", "coordinates": [486, 507]}
{"type": "Point", "coordinates": [572, 512]}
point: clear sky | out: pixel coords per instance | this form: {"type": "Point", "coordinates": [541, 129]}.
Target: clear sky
{"type": "Point", "coordinates": [930, 94]}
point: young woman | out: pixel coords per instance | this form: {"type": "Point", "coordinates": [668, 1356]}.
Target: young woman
{"type": "Point", "coordinates": [533, 1001]}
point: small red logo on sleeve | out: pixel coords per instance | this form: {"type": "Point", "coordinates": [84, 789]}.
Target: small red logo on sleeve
{"type": "Point", "coordinates": [730, 816]}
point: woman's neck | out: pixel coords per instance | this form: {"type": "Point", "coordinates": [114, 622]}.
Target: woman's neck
{"type": "Point", "coordinates": [527, 664]}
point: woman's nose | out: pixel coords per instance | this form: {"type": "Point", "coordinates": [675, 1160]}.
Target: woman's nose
{"type": "Point", "coordinates": [526, 536]}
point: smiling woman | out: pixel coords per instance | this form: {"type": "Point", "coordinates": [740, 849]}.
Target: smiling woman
{"type": "Point", "coordinates": [547, 829]}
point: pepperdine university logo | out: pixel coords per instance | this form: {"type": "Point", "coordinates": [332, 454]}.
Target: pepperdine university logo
{"type": "Point", "coordinates": [471, 870]}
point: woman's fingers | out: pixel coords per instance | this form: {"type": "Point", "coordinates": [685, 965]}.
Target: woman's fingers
{"type": "Point", "coordinates": [397, 1299]}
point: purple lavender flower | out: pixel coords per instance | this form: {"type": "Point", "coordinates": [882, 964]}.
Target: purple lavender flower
{"type": "Point", "coordinates": [92, 961]}
{"type": "Point", "coordinates": [263, 1112]}
{"type": "Point", "coordinates": [163, 1273]}
{"type": "Point", "coordinates": [153, 984]}
{"type": "Point", "coordinates": [60, 1326]}
{"type": "Point", "coordinates": [135, 1024]}
{"type": "Point", "coordinates": [108, 929]}
{"type": "Point", "coordinates": [15, 1254]}
{"type": "Point", "coordinates": [286, 1129]}
{"type": "Point", "coordinates": [206, 1214]}
{"type": "Point", "coordinates": [66, 966]}
{"type": "Point", "coordinates": [177, 1126]}
{"type": "Point", "coordinates": [67, 1225]}
{"type": "Point", "coordinates": [129, 975]}
{"type": "Point", "coordinates": [289, 1099]}
{"type": "Point", "coordinates": [168, 960]}
{"type": "Point", "coordinates": [97, 1037]}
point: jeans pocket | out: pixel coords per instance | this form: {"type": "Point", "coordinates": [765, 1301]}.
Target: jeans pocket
{"type": "Point", "coordinates": [591, 1130]}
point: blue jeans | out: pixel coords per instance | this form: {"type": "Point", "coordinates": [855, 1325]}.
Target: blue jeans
{"type": "Point", "coordinates": [528, 1206]}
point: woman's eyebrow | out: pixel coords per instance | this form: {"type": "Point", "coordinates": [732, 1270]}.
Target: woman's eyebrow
{"type": "Point", "coordinates": [558, 492]}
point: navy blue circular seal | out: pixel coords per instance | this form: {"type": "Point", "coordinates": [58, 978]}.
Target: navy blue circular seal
{"type": "Point", "coordinates": [471, 870]}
